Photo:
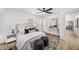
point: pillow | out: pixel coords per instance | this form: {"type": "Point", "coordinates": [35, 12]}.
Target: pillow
{"type": "Point", "coordinates": [26, 31]}
{"type": "Point", "coordinates": [21, 31]}
{"type": "Point", "coordinates": [21, 27]}
{"type": "Point", "coordinates": [31, 29]}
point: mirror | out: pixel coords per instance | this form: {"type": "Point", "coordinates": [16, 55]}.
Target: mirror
{"type": "Point", "coordinates": [52, 25]}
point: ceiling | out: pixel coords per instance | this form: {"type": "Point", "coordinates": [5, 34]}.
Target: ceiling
{"type": "Point", "coordinates": [54, 11]}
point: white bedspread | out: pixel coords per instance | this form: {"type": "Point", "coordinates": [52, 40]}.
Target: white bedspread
{"type": "Point", "coordinates": [22, 38]}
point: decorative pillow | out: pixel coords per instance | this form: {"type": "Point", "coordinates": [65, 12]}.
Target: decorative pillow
{"type": "Point", "coordinates": [26, 31]}
{"type": "Point", "coordinates": [31, 29]}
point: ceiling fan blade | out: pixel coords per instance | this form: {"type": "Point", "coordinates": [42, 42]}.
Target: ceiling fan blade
{"type": "Point", "coordinates": [40, 9]}
{"type": "Point", "coordinates": [49, 9]}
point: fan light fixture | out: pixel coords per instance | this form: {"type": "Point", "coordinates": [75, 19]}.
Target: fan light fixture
{"type": "Point", "coordinates": [45, 10]}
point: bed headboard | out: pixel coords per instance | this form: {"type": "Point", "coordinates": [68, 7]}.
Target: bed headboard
{"type": "Point", "coordinates": [22, 26]}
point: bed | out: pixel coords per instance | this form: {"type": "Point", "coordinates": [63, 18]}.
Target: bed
{"type": "Point", "coordinates": [25, 41]}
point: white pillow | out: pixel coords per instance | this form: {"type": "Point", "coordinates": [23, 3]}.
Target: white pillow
{"type": "Point", "coordinates": [21, 30]}
{"type": "Point", "coordinates": [30, 31]}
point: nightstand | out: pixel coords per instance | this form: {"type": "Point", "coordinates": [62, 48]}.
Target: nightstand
{"type": "Point", "coordinates": [11, 42]}
{"type": "Point", "coordinates": [8, 46]}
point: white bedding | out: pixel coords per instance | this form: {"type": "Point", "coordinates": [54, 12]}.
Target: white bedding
{"type": "Point", "coordinates": [23, 38]}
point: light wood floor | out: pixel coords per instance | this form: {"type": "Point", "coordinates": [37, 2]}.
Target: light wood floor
{"type": "Point", "coordinates": [70, 43]}
{"type": "Point", "coordinates": [11, 45]}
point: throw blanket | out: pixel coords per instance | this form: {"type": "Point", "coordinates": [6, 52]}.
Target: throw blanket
{"type": "Point", "coordinates": [23, 38]}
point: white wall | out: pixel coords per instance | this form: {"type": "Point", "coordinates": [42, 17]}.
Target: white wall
{"type": "Point", "coordinates": [12, 17]}
{"type": "Point", "coordinates": [1, 18]}
{"type": "Point", "coordinates": [62, 25]}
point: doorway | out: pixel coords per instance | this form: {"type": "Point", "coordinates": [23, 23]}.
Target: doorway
{"type": "Point", "coordinates": [71, 38]}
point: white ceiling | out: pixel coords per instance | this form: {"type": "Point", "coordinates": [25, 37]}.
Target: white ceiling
{"type": "Point", "coordinates": [55, 10]}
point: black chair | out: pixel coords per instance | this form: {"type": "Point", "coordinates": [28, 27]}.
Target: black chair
{"type": "Point", "coordinates": [46, 40]}
{"type": "Point", "coordinates": [38, 44]}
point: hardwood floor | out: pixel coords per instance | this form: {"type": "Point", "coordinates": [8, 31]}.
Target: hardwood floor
{"type": "Point", "coordinates": [70, 43]}
{"type": "Point", "coordinates": [11, 45]}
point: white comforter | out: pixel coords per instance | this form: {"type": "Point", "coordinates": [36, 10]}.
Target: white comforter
{"type": "Point", "coordinates": [23, 38]}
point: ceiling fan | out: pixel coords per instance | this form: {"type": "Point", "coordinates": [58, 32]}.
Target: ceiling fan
{"type": "Point", "coordinates": [45, 10]}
